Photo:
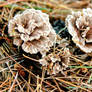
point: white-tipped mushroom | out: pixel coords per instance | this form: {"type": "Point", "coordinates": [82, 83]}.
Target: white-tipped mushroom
{"type": "Point", "coordinates": [79, 25]}
{"type": "Point", "coordinates": [32, 30]}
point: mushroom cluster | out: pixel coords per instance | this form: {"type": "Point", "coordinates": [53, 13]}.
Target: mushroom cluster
{"type": "Point", "coordinates": [79, 25]}
{"type": "Point", "coordinates": [32, 31]}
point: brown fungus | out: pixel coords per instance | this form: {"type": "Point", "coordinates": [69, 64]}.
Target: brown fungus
{"type": "Point", "coordinates": [79, 25]}
{"type": "Point", "coordinates": [56, 62]}
{"type": "Point", "coordinates": [32, 30]}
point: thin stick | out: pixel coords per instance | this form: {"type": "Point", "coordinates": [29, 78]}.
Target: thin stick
{"type": "Point", "coordinates": [71, 84]}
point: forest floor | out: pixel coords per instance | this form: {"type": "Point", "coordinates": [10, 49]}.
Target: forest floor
{"type": "Point", "coordinates": [21, 71]}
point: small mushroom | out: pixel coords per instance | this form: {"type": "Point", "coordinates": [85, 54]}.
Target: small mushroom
{"type": "Point", "coordinates": [56, 63]}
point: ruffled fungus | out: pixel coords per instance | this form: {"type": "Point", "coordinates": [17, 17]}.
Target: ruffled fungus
{"type": "Point", "coordinates": [32, 30]}
{"type": "Point", "coordinates": [56, 63]}
{"type": "Point", "coordinates": [79, 25]}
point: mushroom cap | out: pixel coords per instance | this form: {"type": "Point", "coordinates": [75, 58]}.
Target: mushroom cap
{"type": "Point", "coordinates": [79, 25]}
{"type": "Point", "coordinates": [32, 30]}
